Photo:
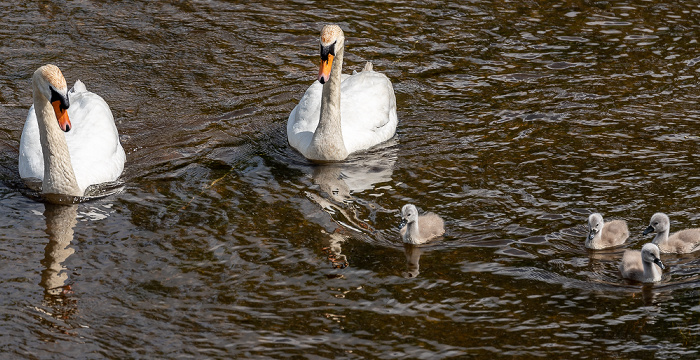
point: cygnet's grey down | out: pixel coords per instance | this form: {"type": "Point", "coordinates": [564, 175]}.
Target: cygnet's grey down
{"type": "Point", "coordinates": [644, 266]}
{"type": "Point", "coordinates": [419, 229]}
{"type": "Point", "coordinates": [682, 242]}
{"type": "Point", "coordinates": [603, 235]}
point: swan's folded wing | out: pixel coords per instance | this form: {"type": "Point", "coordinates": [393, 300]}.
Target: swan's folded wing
{"type": "Point", "coordinates": [304, 118]}
{"type": "Point", "coordinates": [31, 159]}
{"type": "Point", "coordinates": [78, 87]}
{"type": "Point", "coordinates": [93, 142]}
{"type": "Point", "coordinates": [367, 110]}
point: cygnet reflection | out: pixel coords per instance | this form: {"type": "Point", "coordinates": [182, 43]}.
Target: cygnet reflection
{"type": "Point", "coordinates": [413, 253]}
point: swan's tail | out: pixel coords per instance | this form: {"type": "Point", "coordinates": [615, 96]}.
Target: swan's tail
{"type": "Point", "coordinates": [368, 67]}
{"type": "Point", "coordinates": [78, 87]}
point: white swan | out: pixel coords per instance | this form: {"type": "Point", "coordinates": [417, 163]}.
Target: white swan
{"type": "Point", "coordinates": [681, 242]}
{"type": "Point", "coordinates": [419, 229]}
{"type": "Point", "coordinates": [69, 140]}
{"type": "Point", "coordinates": [342, 114]}
{"type": "Point", "coordinates": [603, 235]}
{"type": "Point", "coordinates": [642, 266]}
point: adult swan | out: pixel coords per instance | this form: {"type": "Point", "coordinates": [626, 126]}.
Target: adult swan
{"type": "Point", "coordinates": [69, 140]}
{"type": "Point", "coordinates": [342, 114]}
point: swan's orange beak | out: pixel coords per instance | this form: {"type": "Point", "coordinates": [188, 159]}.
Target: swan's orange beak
{"type": "Point", "coordinates": [324, 73]}
{"type": "Point", "coordinates": [62, 116]}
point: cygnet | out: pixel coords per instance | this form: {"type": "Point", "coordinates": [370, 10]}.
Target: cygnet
{"type": "Point", "coordinates": [419, 229]}
{"type": "Point", "coordinates": [603, 235]}
{"type": "Point", "coordinates": [682, 242]}
{"type": "Point", "coordinates": [644, 266]}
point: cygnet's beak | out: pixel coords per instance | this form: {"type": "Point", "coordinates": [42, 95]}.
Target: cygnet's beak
{"type": "Point", "coordinates": [591, 235]}
{"type": "Point", "coordinates": [648, 230]}
{"type": "Point", "coordinates": [657, 261]}
{"type": "Point", "coordinates": [403, 223]}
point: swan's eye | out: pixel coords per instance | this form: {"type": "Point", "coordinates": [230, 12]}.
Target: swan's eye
{"type": "Point", "coordinates": [327, 50]}
{"type": "Point", "coordinates": [56, 96]}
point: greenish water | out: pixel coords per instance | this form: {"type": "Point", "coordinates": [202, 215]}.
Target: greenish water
{"type": "Point", "coordinates": [516, 121]}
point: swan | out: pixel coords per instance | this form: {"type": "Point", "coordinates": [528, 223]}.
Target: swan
{"type": "Point", "coordinates": [69, 140]}
{"type": "Point", "coordinates": [419, 229]}
{"type": "Point", "coordinates": [603, 234]}
{"type": "Point", "coordinates": [644, 266]}
{"type": "Point", "coordinates": [682, 242]}
{"type": "Point", "coordinates": [322, 129]}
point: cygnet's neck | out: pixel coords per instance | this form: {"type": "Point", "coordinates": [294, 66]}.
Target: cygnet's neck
{"type": "Point", "coordinates": [651, 271]}
{"type": "Point", "coordinates": [412, 232]}
{"type": "Point", "coordinates": [327, 142]}
{"type": "Point", "coordinates": [592, 243]}
{"type": "Point", "coordinates": [661, 238]}
{"type": "Point", "coordinates": [59, 177]}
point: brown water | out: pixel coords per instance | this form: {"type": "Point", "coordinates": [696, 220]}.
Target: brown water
{"type": "Point", "coordinates": [517, 120]}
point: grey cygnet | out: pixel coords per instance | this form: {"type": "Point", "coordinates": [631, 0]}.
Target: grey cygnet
{"type": "Point", "coordinates": [417, 229]}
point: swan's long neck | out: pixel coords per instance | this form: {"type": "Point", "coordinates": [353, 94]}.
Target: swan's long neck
{"type": "Point", "coordinates": [327, 142]}
{"type": "Point", "coordinates": [59, 177]}
{"type": "Point", "coordinates": [661, 237]}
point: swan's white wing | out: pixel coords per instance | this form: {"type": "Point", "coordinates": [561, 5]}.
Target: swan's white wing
{"type": "Point", "coordinates": [367, 110]}
{"type": "Point", "coordinates": [31, 160]}
{"type": "Point", "coordinates": [304, 118]}
{"type": "Point", "coordinates": [93, 141]}
{"type": "Point", "coordinates": [95, 151]}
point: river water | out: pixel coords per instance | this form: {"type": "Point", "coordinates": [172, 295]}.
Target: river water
{"type": "Point", "coordinates": [517, 119]}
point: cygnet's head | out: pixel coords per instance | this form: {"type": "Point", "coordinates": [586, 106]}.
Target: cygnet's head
{"type": "Point", "coordinates": [595, 224]}
{"type": "Point", "coordinates": [659, 223]}
{"type": "Point", "coordinates": [332, 40]}
{"type": "Point", "coordinates": [650, 253]}
{"type": "Point", "coordinates": [409, 214]}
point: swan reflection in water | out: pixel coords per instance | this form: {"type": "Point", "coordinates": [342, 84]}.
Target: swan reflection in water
{"type": "Point", "coordinates": [338, 182]}
{"type": "Point", "coordinates": [60, 221]}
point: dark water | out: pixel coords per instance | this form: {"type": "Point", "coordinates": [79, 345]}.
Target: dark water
{"type": "Point", "coordinates": [517, 120]}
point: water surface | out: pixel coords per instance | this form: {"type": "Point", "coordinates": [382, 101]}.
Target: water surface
{"type": "Point", "coordinates": [516, 121]}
